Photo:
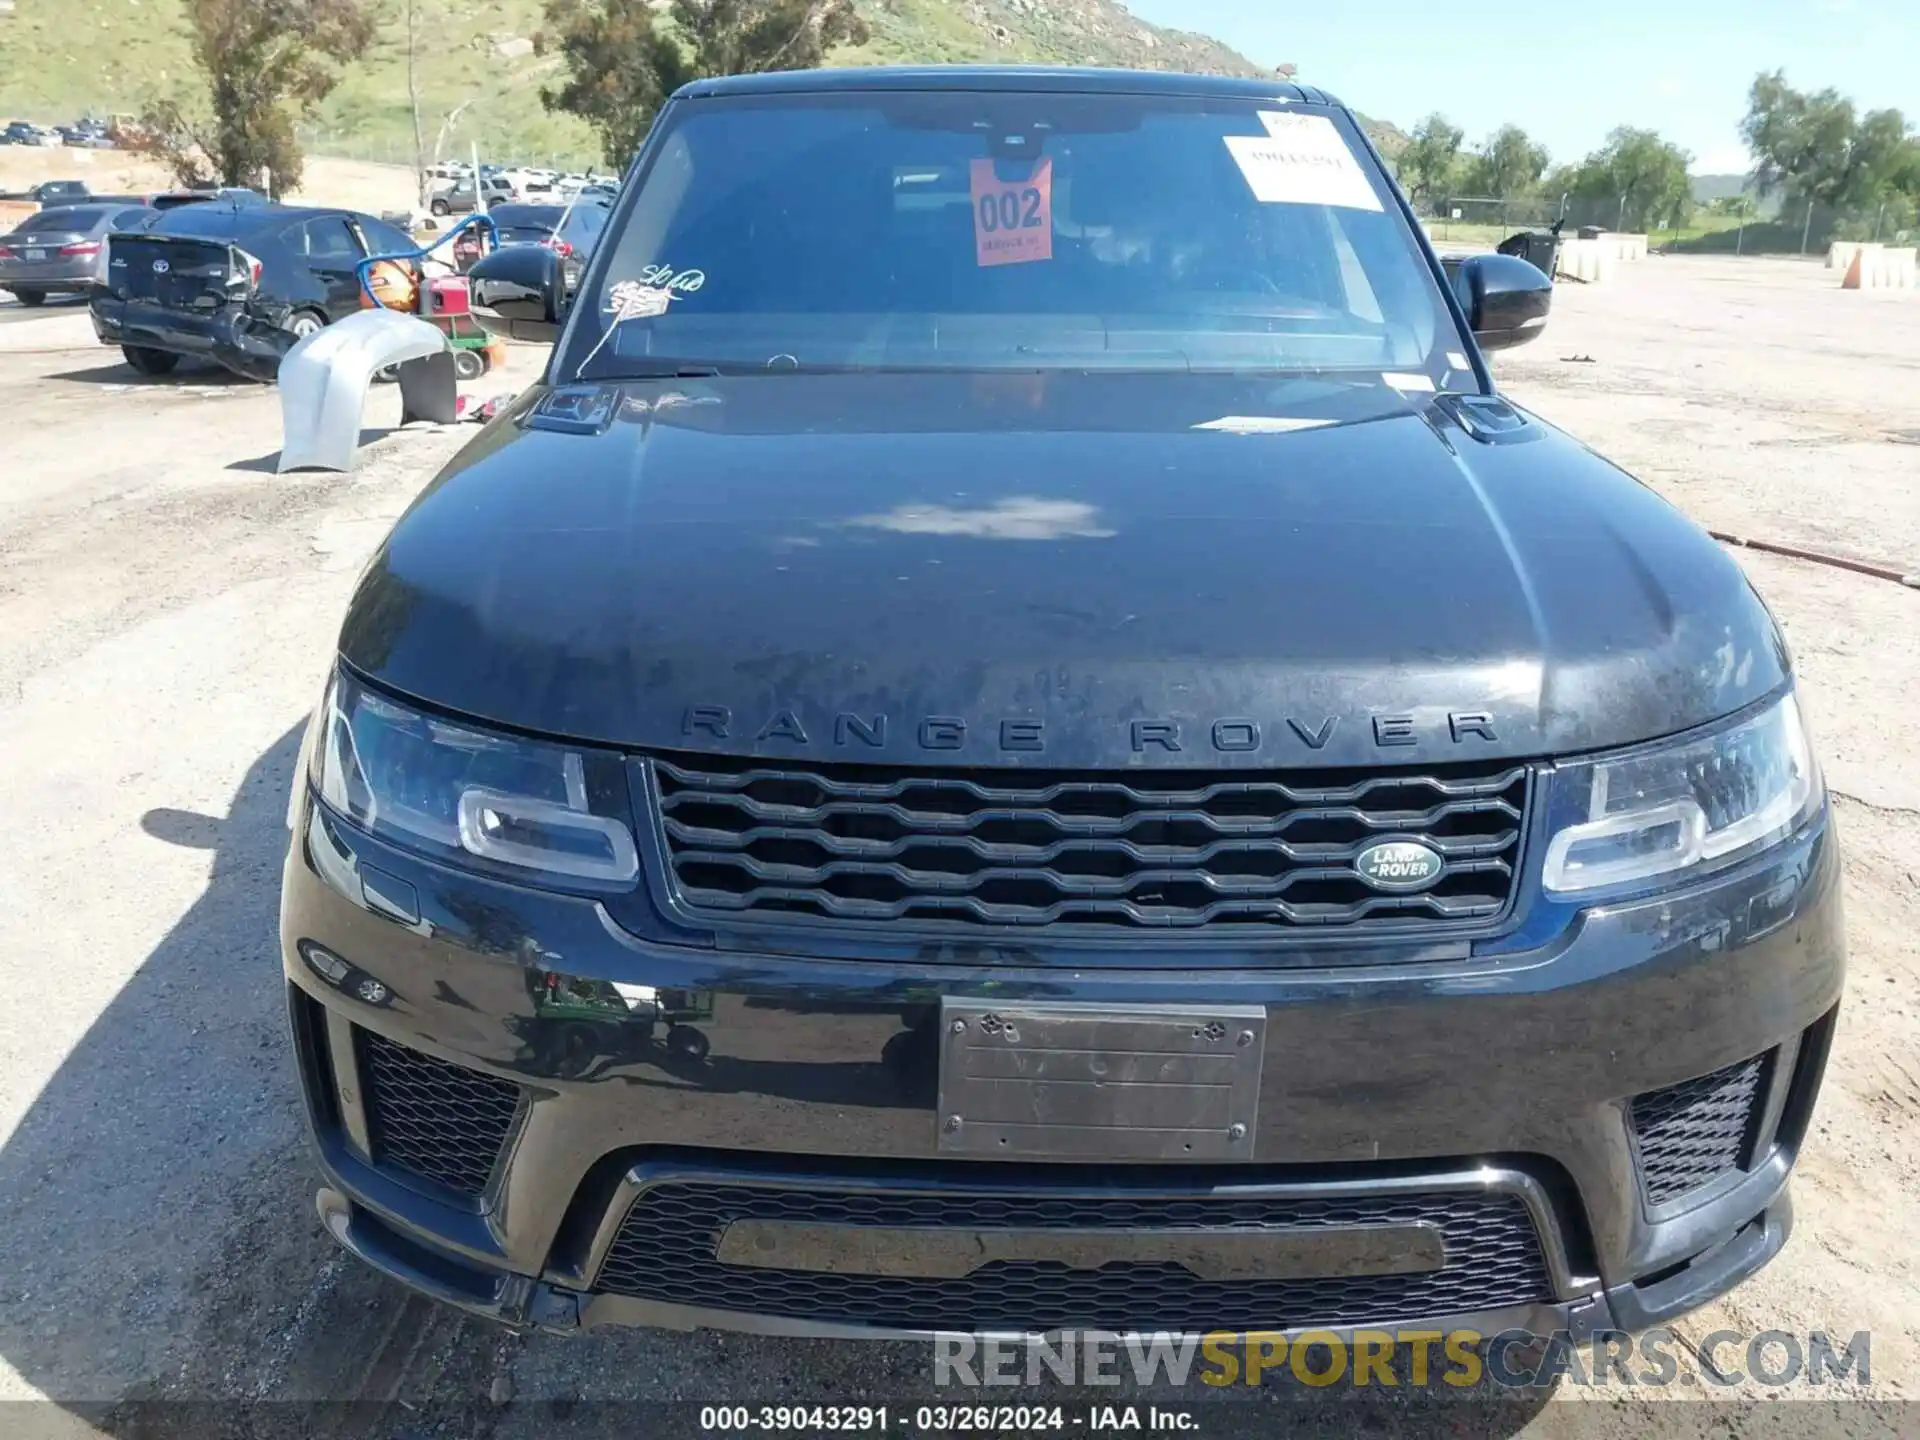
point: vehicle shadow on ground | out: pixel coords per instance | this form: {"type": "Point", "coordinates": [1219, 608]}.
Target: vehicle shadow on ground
{"type": "Point", "coordinates": [159, 1243]}
{"type": "Point", "coordinates": [191, 372]}
{"type": "Point", "coordinates": [269, 464]}
{"type": "Point", "coordinates": [163, 1274]}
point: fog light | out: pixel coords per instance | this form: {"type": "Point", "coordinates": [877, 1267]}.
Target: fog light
{"type": "Point", "coordinates": [328, 965]}
{"type": "Point", "coordinates": [372, 991]}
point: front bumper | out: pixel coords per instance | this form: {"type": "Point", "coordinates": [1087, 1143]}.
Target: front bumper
{"type": "Point", "coordinates": [248, 339]}
{"type": "Point", "coordinates": [1494, 1081]}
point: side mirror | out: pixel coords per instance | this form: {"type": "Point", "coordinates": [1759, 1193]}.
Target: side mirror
{"type": "Point", "coordinates": [518, 294]}
{"type": "Point", "coordinates": [1506, 299]}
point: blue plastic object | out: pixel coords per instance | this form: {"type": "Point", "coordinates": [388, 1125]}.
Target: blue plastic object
{"type": "Point", "coordinates": [364, 269]}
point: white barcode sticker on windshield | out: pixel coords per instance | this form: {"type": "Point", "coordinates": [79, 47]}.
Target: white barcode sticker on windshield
{"type": "Point", "coordinates": [1302, 160]}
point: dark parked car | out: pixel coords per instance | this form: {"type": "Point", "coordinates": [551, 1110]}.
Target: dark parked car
{"type": "Point", "coordinates": [87, 135]}
{"type": "Point", "coordinates": [570, 231]}
{"type": "Point", "coordinates": [567, 230]}
{"type": "Point", "coordinates": [63, 250]}
{"type": "Point", "coordinates": [25, 132]}
{"type": "Point", "coordinates": [235, 284]}
{"type": "Point", "coordinates": [1017, 736]}
{"type": "Point", "coordinates": [54, 192]}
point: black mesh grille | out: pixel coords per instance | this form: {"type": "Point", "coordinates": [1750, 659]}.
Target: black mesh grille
{"type": "Point", "coordinates": [442, 1121]}
{"type": "Point", "coordinates": [1179, 850]}
{"type": "Point", "coordinates": [665, 1251]}
{"type": "Point", "coordinates": [1692, 1132]}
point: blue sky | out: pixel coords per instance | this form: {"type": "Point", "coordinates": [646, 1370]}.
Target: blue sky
{"type": "Point", "coordinates": [1681, 67]}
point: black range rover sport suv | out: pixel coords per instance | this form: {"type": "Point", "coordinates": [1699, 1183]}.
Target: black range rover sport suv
{"type": "Point", "coordinates": [1016, 737]}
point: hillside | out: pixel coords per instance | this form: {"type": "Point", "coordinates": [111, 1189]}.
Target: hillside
{"type": "Point", "coordinates": [1708, 188]}
{"type": "Point", "coordinates": [59, 58]}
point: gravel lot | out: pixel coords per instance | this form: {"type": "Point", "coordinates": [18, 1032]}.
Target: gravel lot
{"type": "Point", "coordinates": [167, 605]}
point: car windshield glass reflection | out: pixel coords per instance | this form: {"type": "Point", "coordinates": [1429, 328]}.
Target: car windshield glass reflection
{"type": "Point", "coordinates": [1012, 231]}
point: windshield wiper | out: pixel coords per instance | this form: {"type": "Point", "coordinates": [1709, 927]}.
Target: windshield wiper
{"type": "Point", "coordinates": [664, 370]}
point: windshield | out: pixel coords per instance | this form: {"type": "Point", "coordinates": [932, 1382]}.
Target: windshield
{"type": "Point", "coordinates": [212, 220]}
{"type": "Point", "coordinates": [1011, 230]}
{"type": "Point", "coordinates": [70, 217]}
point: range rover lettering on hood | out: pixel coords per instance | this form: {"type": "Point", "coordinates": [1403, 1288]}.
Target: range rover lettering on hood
{"type": "Point", "coordinates": [1229, 736]}
{"type": "Point", "coordinates": [1379, 592]}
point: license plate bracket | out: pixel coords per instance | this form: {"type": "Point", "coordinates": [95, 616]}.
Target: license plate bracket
{"type": "Point", "coordinates": [1096, 1082]}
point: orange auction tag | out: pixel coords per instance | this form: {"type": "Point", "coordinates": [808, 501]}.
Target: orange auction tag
{"type": "Point", "coordinates": [1012, 219]}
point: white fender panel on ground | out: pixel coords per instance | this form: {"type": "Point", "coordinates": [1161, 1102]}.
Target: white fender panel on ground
{"type": "Point", "coordinates": [324, 381]}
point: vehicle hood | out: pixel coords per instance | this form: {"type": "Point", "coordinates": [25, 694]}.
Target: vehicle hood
{"type": "Point", "coordinates": [1056, 571]}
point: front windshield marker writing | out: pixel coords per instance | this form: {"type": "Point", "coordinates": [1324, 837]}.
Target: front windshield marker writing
{"type": "Point", "coordinates": [1302, 160]}
{"type": "Point", "coordinates": [645, 299]}
{"type": "Point", "coordinates": [665, 277]}
{"type": "Point", "coordinates": [1012, 219]}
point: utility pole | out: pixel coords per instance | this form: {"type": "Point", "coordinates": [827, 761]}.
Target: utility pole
{"type": "Point", "coordinates": [413, 98]}
{"type": "Point", "coordinates": [1807, 229]}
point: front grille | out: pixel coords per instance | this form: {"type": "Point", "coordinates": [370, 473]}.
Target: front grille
{"type": "Point", "coordinates": [1695, 1131]}
{"type": "Point", "coordinates": [1140, 849]}
{"type": "Point", "coordinates": [441, 1121]}
{"type": "Point", "coordinates": [665, 1251]}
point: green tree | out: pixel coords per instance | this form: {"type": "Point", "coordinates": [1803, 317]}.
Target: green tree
{"type": "Point", "coordinates": [1813, 149]}
{"type": "Point", "coordinates": [622, 58]}
{"type": "Point", "coordinates": [1508, 165]}
{"type": "Point", "coordinates": [1428, 164]}
{"type": "Point", "coordinates": [263, 63]}
{"type": "Point", "coordinates": [1643, 177]}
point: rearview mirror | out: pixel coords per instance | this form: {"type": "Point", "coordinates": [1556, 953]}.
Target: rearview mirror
{"type": "Point", "coordinates": [1506, 299]}
{"type": "Point", "coordinates": [518, 294]}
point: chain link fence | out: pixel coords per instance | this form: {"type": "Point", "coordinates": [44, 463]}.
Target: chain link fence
{"type": "Point", "coordinates": [1746, 228]}
{"type": "Point", "coordinates": [502, 148]}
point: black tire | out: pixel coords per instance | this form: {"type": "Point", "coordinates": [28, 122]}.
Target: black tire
{"type": "Point", "coordinates": [30, 298]}
{"type": "Point", "coordinates": [440, 208]}
{"type": "Point", "coordinates": [469, 364]}
{"type": "Point", "coordinates": [302, 323]}
{"type": "Point", "coordinates": [150, 362]}
{"type": "Point", "coordinates": [686, 1041]}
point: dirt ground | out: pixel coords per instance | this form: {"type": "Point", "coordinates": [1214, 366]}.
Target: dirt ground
{"type": "Point", "coordinates": [167, 608]}
{"type": "Point", "coordinates": [351, 184]}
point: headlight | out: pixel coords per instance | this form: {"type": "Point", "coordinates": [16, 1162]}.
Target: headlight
{"type": "Point", "coordinates": [1688, 806]}
{"type": "Point", "coordinates": [531, 808]}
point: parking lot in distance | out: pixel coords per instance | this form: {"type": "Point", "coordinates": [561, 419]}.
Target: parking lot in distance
{"type": "Point", "coordinates": [167, 606]}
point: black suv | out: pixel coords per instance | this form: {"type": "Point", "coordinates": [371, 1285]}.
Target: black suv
{"type": "Point", "coordinates": [1017, 737]}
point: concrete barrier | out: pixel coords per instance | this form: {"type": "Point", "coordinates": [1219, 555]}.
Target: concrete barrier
{"type": "Point", "coordinates": [1841, 252]}
{"type": "Point", "coordinates": [1585, 260]}
{"type": "Point", "coordinates": [1626, 246]}
{"type": "Point", "coordinates": [1880, 267]}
